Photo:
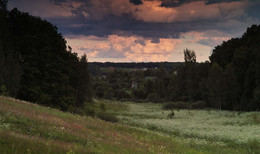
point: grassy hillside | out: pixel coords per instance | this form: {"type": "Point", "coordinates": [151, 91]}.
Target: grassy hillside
{"type": "Point", "coordinates": [30, 128]}
{"type": "Point", "coordinates": [214, 130]}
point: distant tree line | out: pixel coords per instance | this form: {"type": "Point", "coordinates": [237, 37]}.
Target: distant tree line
{"type": "Point", "coordinates": [35, 64]}
{"type": "Point", "coordinates": [165, 65]}
{"type": "Point", "coordinates": [230, 81]}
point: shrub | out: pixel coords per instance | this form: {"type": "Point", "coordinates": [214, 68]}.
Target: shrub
{"type": "Point", "coordinates": [4, 91]}
{"type": "Point", "coordinates": [121, 94]}
{"type": "Point", "coordinates": [109, 93]}
{"type": "Point", "coordinates": [184, 98]}
{"type": "Point", "coordinates": [153, 97]}
{"type": "Point", "coordinates": [198, 105]}
{"type": "Point", "coordinates": [253, 146]}
{"type": "Point", "coordinates": [89, 110]}
{"type": "Point", "coordinates": [176, 106]}
{"type": "Point", "coordinates": [76, 110]}
{"type": "Point", "coordinates": [102, 107]}
{"type": "Point", "coordinates": [171, 115]}
{"type": "Point", "coordinates": [107, 117]}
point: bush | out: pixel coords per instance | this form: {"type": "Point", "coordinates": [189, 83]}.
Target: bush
{"type": "Point", "coordinates": [253, 146]}
{"type": "Point", "coordinates": [153, 97]}
{"type": "Point", "coordinates": [121, 94]}
{"type": "Point", "coordinates": [99, 91]}
{"type": "Point", "coordinates": [171, 115]}
{"type": "Point", "coordinates": [76, 110]}
{"type": "Point", "coordinates": [198, 105]}
{"type": "Point", "coordinates": [89, 110]}
{"type": "Point", "coordinates": [107, 117]}
{"type": "Point", "coordinates": [184, 98]}
{"type": "Point", "coordinates": [176, 106]}
{"type": "Point", "coordinates": [4, 91]}
{"type": "Point", "coordinates": [102, 107]}
{"type": "Point", "coordinates": [109, 93]}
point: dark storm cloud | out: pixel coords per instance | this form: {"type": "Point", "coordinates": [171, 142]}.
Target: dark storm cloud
{"type": "Point", "coordinates": [127, 27]}
{"type": "Point", "coordinates": [176, 3]}
{"type": "Point", "coordinates": [119, 26]}
{"type": "Point", "coordinates": [105, 17]}
{"type": "Point", "coordinates": [58, 1]}
{"type": "Point", "coordinates": [136, 2]}
{"type": "Point", "coordinates": [254, 9]}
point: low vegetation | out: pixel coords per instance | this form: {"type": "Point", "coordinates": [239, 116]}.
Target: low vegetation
{"type": "Point", "coordinates": [30, 128]}
{"type": "Point", "coordinates": [198, 127]}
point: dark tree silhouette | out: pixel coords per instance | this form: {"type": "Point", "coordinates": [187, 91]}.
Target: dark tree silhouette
{"type": "Point", "coordinates": [34, 63]}
{"type": "Point", "coordinates": [3, 4]}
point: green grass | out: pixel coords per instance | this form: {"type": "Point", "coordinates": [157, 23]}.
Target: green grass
{"type": "Point", "coordinates": [210, 130]}
{"type": "Point", "coordinates": [30, 128]}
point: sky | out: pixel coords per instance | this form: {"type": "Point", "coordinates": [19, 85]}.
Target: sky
{"type": "Point", "coordinates": [144, 30]}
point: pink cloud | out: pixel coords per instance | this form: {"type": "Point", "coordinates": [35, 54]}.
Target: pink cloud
{"type": "Point", "coordinates": [93, 54]}
{"type": "Point", "coordinates": [123, 47]}
{"type": "Point", "coordinates": [151, 11]}
{"type": "Point", "coordinates": [213, 38]}
{"type": "Point", "coordinates": [138, 49]}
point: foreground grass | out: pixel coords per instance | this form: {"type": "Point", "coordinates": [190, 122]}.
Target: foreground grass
{"type": "Point", "coordinates": [30, 128]}
{"type": "Point", "coordinates": [210, 130]}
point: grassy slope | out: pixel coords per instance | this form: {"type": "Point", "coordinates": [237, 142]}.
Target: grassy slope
{"type": "Point", "coordinates": [206, 130]}
{"type": "Point", "coordinates": [30, 128]}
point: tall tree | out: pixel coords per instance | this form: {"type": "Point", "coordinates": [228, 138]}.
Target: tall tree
{"type": "Point", "coordinates": [190, 74]}
{"type": "Point", "coordinates": [3, 4]}
{"type": "Point", "coordinates": [215, 86]}
{"type": "Point", "coordinates": [9, 67]}
{"type": "Point", "coordinates": [257, 89]}
{"type": "Point", "coordinates": [83, 89]}
{"type": "Point", "coordinates": [189, 56]}
{"type": "Point", "coordinates": [230, 89]}
{"type": "Point", "coordinates": [241, 54]}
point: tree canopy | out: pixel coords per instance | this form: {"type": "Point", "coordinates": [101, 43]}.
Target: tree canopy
{"type": "Point", "coordinates": [35, 64]}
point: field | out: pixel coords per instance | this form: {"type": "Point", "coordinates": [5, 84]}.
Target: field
{"type": "Point", "coordinates": [30, 128]}
{"type": "Point", "coordinates": [197, 128]}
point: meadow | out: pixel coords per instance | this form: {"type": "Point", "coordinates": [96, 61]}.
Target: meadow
{"type": "Point", "coordinates": [31, 128]}
{"type": "Point", "coordinates": [197, 127]}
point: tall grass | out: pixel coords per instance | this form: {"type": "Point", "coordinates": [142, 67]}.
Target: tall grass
{"type": "Point", "coordinates": [223, 128]}
{"type": "Point", "coordinates": [30, 128]}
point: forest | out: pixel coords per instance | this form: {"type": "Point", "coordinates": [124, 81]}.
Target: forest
{"type": "Point", "coordinates": [37, 65]}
